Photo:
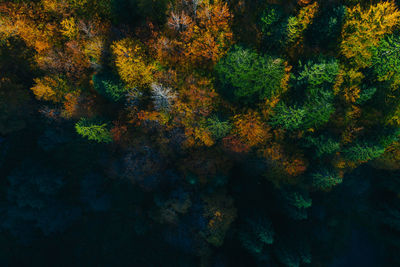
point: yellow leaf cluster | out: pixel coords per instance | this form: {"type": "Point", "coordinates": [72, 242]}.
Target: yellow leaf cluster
{"type": "Point", "coordinates": [348, 83]}
{"type": "Point", "coordinates": [363, 29]}
{"type": "Point", "coordinates": [49, 89]}
{"type": "Point", "coordinates": [286, 78]}
{"type": "Point", "coordinates": [394, 117]}
{"type": "Point", "coordinates": [198, 136]}
{"type": "Point", "coordinates": [297, 25]}
{"type": "Point", "coordinates": [69, 28]}
{"type": "Point", "coordinates": [56, 6]}
{"type": "Point", "coordinates": [23, 22]}
{"type": "Point", "coordinates": [132, 64]}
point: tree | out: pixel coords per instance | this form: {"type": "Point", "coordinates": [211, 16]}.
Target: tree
{"type": "Point", "coordinates": [195, 102]}
{"type": "Point", "coordinates": [297, 25]}
{"type": "Point", "coordinates": [220, 213]}
{"type": "Point", "coordinates": [51, 88]}
{"type": "Point", "coordinates": [322, 145]}
{"type": "Point", "coordinates": [318, 79]}
{"type": "Point", "coordinates": [219, 129]}
{"type": "Point", "coordinates": [364, 28]}
{"type": "Point", "coordinates": [318, 111]}
{"type": "Point", "coordinates": [248, 77]}
{"type": "Point", "coordinates": [293, 251]}
{"type": "Point", "coordinates": [132, 63]}
{"type": "Point", "coordinates": [257, 234]}
{"type": "Point", "coordinates": [363, 151]}
{"type": "Point", "coordinates": [199, 35]}
{"type": "Point", "coordinates": [365, 95]}
{"type": "Point", "coordinates": [109, 86]}
{"type": "Point", "coordinates": [385, 60]}
{"type": "Point", "coordinates": [213, 42]}
{"type": "Point", "coordinates": [295, 202]}
{"type": "Point", "coordinates": [273, 25]}
{"type": "Point", "coordinates": [22, 20]}
{"type": "Point", "coordinates": [289, 118]}
{"type": "Point", "coordinates": [93, 130]}
{"type": "Point", "coordinates": [325, 179]}
{"type": "Point", "coordinates": [250, 129]}
{"type": "Point", "coordinates": [318, 75]}
{"type": "Point", "coordinates": [163, 97]}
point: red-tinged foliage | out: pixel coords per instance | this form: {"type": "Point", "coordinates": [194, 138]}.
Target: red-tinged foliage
{"type": "Point", "coordinates": [234, 144]}
{"type": "Point", "coordinates": [118, 132]}
{"type": "Point", "coordinates": [292, 165]}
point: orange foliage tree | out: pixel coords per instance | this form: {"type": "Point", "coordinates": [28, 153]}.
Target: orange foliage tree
{"type": "Point", "coordinates": [29, 22]}
{"type": "Point", "coordinates": [250, 129]}
{"type": "Point", "coordinates": [198, 34]}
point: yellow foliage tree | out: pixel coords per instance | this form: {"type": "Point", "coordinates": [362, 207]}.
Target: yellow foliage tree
{"type": "Point", "coordinates": [297, 25]}
{"type": "Point", "coordinates": [132, 63]}
{"type": "Point", "coordinates": [50, 89]}
{"type": "Point", "coordinates": [69, 28]}
{"type": "Point", "coordinates": [363, 29]}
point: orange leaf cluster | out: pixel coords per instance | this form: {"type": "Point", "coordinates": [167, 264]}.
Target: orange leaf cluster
{"type": "Point", "coordinates": [197, 36]}
{"type": "Point", "coordinates": [250, 129]}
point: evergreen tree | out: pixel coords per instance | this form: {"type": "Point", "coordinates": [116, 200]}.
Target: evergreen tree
{"type": "Point", "coordinates": [326, 28]}
{"type": "Point", "coordinates": [247, 77]}
{"type": "Point", "coordinates": [325, 179]}
{"type": "Point", "coordinates": [363, 151]}
{"type": "Point", "coordinates": [257, 235]}
{"type": "Point", "coordinates": [289, 118]}
{"type": "Point", "coordinates": [322, 145]}
{"type": "Point", "coordinates": [385, 60]}
{"type": "Point", "coordinates": [93, 130]}
{"type": "Point", "coordinates": [218, 128]}
{"type": "Point", "coordinates": [273, 25]}
{"type": "Point", "coordinates": [109, 86]}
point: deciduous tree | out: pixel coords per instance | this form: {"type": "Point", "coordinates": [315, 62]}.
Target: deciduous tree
{"type": "Point", "coordinates": [364, 28]}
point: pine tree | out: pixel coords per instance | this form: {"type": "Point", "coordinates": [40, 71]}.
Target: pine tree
{"type": "Point", "coordinates": [289, 118]}
{"type": "Point", "coordinates": [325, 179]}
{"type": "Point", "coordinates": [248, 77]}
{"type": "Point", "coordinates": [109, 86]}
{"type": "Point", "coordinates": [363, 151]}
{"type": "Point", "coordinates": [93, 130]}
{"type": "Point", "coordinates": [218, 128]}
{"type": "Point", "coordinates": [386, 62]}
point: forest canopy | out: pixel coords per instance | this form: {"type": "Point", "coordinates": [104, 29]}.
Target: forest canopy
{"type": "Point", "coordinates": [199, 133]}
